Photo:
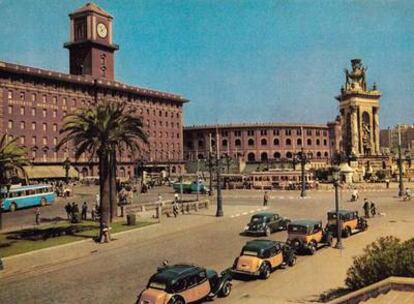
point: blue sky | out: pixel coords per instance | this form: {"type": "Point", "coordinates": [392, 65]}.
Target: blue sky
{"type": "Point", "coordinates": [237, 60]}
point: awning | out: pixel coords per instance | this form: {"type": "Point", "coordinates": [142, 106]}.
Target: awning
{"type": "Point", "coordinates": [50, 172]}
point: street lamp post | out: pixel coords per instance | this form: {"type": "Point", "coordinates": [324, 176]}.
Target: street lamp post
{"type": "Point", "coordinates": [335, 176]}
{"type": "Point", "coordinates": [302, 167]}
{"type": "Point", "coordinates": [66, 166]}
{"type": "Point", "coordinates": [401, 183]}
{"type": "Point", "coordinates": [219, 197]}
{"type": "Point", "coordinates": [210, 172]}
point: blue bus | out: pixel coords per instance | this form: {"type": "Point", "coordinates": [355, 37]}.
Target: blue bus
{"type": "Point", "coordinates": [26, 196]}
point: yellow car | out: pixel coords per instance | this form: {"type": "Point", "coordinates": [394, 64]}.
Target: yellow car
{"type": "Point", "coordinates": [308, 235]}
{"type": "Point", "coordinates": [259, 257]}
{"type": "Point", "coordinates": [349, 221]}
{"type": "Point", "coordinates": [182, 283]}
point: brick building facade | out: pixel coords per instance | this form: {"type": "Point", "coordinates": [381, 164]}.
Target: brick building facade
{"type": "Point", "coordinates": [261, 142]}
{"type": "Point", "coordinates": [33, 101]}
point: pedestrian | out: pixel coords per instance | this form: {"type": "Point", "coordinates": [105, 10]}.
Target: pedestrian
{"type": "Point", "coordinates": [366, 208]}
{"type": "Point", "coordinates": [84, 211]}
{"type": "Point", "coordinates": [97, 199]}
{"type": "Point", "coordinates": [373, 209]}
{"type": "Point", "coordinates": [93, 213]}
{"type": "Point", "coordinates": [387, 182]}
{"type": "Point", "coordinates": [265, 199]}
{"type": "Point", "coordinates": [37, 215]}
{"type": "Point", "coordinates": [175, 207]}
{"type": "Point", "coordinates": [68, 209]}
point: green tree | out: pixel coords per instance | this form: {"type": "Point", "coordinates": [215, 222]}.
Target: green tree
{"type": "Point", "coordinates": [13, 159]}
{"type": "Point", "coordinates": [102, 131]}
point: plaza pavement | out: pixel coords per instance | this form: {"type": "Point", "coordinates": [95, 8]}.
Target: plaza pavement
{"type": "Point", "coordinates": [115, 272]}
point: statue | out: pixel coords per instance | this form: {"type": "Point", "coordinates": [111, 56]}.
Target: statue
{"type": "Point", "coordinates": [356, 78]}
{"type": "Point", "coordinates": [366, 138]}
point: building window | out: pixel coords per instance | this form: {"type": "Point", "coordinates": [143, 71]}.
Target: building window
{"type": "Point", "coordinates": [64, 101]}
{"type": "Point", "coordinates": [22, 140]}
{"type": "Point", "coordinates": [44, 126]}
{"type": "Point", "coordinates": [22, 95]}
{"type": "Point", "coordinates": [74, 102]}
{"type": "Point", "coordinates": [10, 124]}
{"type": "Point", "coordinates": [54, 113]}
{"type": "Point", "coordinates": [250, 132]}
{"type": "Point", "coordinates": [10, 95]}
{"type": "Point", "coordinates": [251, 156]}
{"type": "Point", "coordinates": [55, 141]}
{"type": "Point", "coordinates": [299, 142]}
{"type": "Point", "coordinates": [237, 133]}
{"type": "Point", "coordinates": [44, 99]}
{"type": "Point", "coordinates": [325, 142]}
{"type": "Point", "coordinates": [250, 142]}
{"type": "Point", "coordinates": [276, 141]}
{"type": "Point", "coordinates": [263, 142]}
{"type": "Point", "coordinates": [33, 154]}
{"type": "Point", "coordinates": [33, 126]}
{"type": "Point", "coordinates": [288, 132]}
{"type": "Point", "coordinates": [54, 99]}
{"type": "Point", "coordinates": [276, 132]}
{"type": "Point", "coordinates": [64, 113]}
{"type": "Point", "coordinates": [33, 111]}
{"type": "Point", "coordinates": [289, 155]}
{"type": "Point", "coordinates": [54, 127]}
{"type": "Point", "coordinates": [33, 140]}
{"type": "Point", "coordinates": [44, 112]}
{"type": "Point", "coordinates": [326, 154]}
{"type": "Point", "coordinates": [22, 125]}
{"type": "Point", "coordinates": [237, 142]}
{"type": "Point", "coordinates": [309, 132]}
{"type": "Point", "coordinates": [224, 133]}
{"type": "Point", "coordinates": [22, 111]}
{"type": "Point", "coordinates": [263, 132]}
{"type": "Point", "coordinates": [10, 109]}
{"type": "Point", "coordinates": [45, 140]}
{"type": "Point", "coordinates": [324, 133]}
{"type": "Point", "coordinates": [288, 141]}
{"type": "Point", "coordinates": [33, 97]}
{"type": "Point", "coordinates": [318, 154]}
{"type": "Point", "coordinates": [309, 142]}
{"type": "Point", "coordinates": [298, 132]}
{"type": "Point", "coordinates": [224, 142]}
{"type": "Point", "coordinates": [263, 156]}
{"type": "Point", "coordinates": [318, 142]}
{"type": "Point", "coordinates": [55, 156]}
{"type": "Point", "coordinates": [276, 155]}
{"type": "Point", "coordinates": [160, 113]}
{"type": "Point", "coordinates": [318, 132]}
{"type": "Point", "coordinates": [44, 156]}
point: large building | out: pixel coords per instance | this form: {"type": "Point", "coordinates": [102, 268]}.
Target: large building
{"type": "Point", "coordinates": [34, 101]}
{"type": "Point", "coordinates": [261, 142]}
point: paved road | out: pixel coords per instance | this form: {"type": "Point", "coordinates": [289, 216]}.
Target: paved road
{"type": "Point", "coordinates": [115, 276]}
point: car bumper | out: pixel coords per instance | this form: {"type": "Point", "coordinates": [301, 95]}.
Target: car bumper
{"type": "Point", "coordinates": [255, 232]}
{"type": "Point", "coordinates": [244, 273]}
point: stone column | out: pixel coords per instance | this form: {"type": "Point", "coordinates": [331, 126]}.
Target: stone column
{"type": "Point", "coordinates": [354, 132]}
{"type": "Point", "coordinates": [376, 132]}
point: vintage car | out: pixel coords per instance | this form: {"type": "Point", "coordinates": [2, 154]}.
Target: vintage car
{"type": "Point", "coordinates": [259, 257]}
{"type": "Point", "coordinates": [265, 223]}
{"type": "Point", "coordinates": [183, 283]}
{"type": "Point", "coordinates": [308, 235]}
{"type": "Point", "coordinates": [350, 222]}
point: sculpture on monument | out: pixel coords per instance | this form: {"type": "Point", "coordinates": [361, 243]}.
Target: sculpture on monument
{"type": "Point", "coordinates": [356, 78]}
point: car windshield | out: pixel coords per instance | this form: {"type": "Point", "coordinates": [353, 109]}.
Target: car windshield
{"type": "Point", "coordinates": [257, 219]}
{"type": "Point", "coordinates": [250, 253]}
{"type": "Point", "coordinates": [157, 285]}
{"type": "Point", "coordinates": [297, 229]}
{"type": "Point", "coordinates": [331, 216]}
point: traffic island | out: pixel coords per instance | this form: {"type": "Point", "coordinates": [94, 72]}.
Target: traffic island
{"type": "Point", "coordinates": [30, 239]}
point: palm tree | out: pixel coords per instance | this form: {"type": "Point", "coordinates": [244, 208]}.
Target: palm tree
{"type": "Point", "coordinates": [13, 158]}
{"type": "Point", "coordinates": [101, 131]}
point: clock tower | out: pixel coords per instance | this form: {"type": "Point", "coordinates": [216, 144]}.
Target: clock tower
{"type": "Point", "coordinates": [91, 50]}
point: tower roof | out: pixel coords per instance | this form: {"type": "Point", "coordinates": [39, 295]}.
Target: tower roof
{"type": "Point", "coordinates": [90, 7]}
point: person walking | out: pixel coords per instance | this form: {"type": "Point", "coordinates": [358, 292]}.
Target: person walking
{"type": "Point", "coordinates": [175, 207]}
{"type": "Point", "coordinates": [373, 209]}
{"type": "Point", "coordinates": [265, 199]}
{"type": "Point", "coordinates": [37, 216]}
{"type": "Point", "coordinates": [68, 209]}
{"type": "Point", "coordinates": [93, 213]}
{"type": "Point", "coordinates": [366, 208]}
{"type": "Point", "coordinates": [84, 211]}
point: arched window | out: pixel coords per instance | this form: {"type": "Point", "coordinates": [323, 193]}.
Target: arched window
{"type": "Point", "coordinates": [318, 142]}
{"type": "Point", "coordinates": [251, 156]}
{"type": "Point", "coordinates": [318, 154]}
{"type": "Point", "coordinates": [326, 154]}
{"type": "Point", "coordinates": [309, 142]}
{"type": "Point", "coordinates": [200, 144]}
{"type": "Point", "coordinates": [310, 155]}
{"type": "Point", "coordinates": [224, 142]}
{"type": "Point", "coordinates": [263, 142]}
{"type": "Point", "coordinates": [276, 155]}
{"type": "Point", "coordinates": [250, 142]}
{"type": "Point", "coordinates": [288, 141]}
{"type": "Point", "coordinates": [289, 155]}
{"type": "Point", "coordinates": [325, 142]}
{"type": "Point", "coordinates": [263, 156]}
{"type": "Point", "coordinates": [237, 142]}
{"type": "Point", "coordinates": [276, 141]}
{"type": "Point", "coordinates": [299, 142]}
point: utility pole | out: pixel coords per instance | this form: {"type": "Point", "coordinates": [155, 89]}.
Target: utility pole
{"type": "Point", "coordinates": [219, 212]}
{"type": "Point", "coordinates": [302, 167]}
{"type": "Point", "coordinates": [336, 176]}
{"type": "Point", "coordinates": [401, 183]}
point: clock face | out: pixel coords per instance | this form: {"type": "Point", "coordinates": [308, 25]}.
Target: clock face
{"type": "Point", "coordinates": [101, 30]}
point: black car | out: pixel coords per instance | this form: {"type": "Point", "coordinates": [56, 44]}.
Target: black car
{"type": "Point", "coordinates": [183, 283]}
{"type": "Point", "coordinates": [265, 223]}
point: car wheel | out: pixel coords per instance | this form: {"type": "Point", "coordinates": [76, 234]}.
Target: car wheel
{"type": "Point", "coordinates": [346, 233]}
{"type": "Point", "coordinates": [312, 248]}
{"type": "Point", "coordinates": [329, 240]}
{"type": "Point", "coordinates": [13, 207]}
{"type": "Point", "coordinates": [265, 273]}
{"type": "Point", "coordinates": [176, 300]}
{"type": "Point", "coordinates": [43, 202]}
{"type": "Point", "coordinates": [268, 231]}
{"type": "Point", "coordinates": [292, 261]}
{"type": "Point", "coordinates": [225, 290]}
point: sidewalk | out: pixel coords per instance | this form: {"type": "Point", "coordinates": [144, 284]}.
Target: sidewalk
{"type": "Point", "coordinates": [48, 259]}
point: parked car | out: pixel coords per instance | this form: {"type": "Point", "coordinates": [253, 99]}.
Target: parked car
{"type": "Point", "coordinates": [265, 223]}
{"type": "Point", "coordinates": [259, 257]}
{"type": "Point", "coordinates": [350, 222]}
{"type": "Point", "coordinates": [190, 187]}
{"type": "Point", "coordinates": [308, 235]}
{"type": "Point", "coordinates": [183, 283]}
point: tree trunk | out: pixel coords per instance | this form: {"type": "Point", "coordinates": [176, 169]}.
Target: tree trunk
{"type": "Point", "coordinates": [113, 190]}
{"type": "Point", "coordinates": [104, 186]}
